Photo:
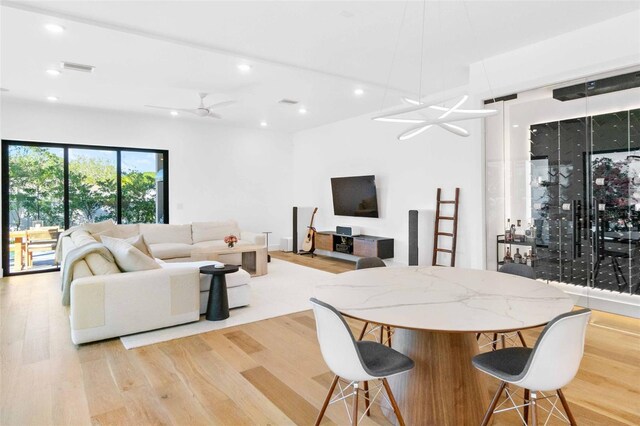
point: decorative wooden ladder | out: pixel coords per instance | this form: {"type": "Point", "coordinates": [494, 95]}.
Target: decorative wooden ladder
{"type": "Point", "coordinates": [437, 233]}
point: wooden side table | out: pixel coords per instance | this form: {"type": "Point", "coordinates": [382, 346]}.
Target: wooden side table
{"type": "Point", "coordinates": [218, 305]}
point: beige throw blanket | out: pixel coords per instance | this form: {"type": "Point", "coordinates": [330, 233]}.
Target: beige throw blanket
{"type": "Point", "coordinates": [76, 255]}
{"type": "Point", "coordinates": [58, 254]}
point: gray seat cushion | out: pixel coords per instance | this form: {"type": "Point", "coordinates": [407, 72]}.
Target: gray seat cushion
{"type": "Point", "coordinates": [382, 361]}
{"type": "Point", "coordinates": [506, 364]}
{"type": "Point", "coordinates": [369, 262]}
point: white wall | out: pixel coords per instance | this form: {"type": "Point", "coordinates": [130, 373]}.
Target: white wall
{"type": "Point", "coordinates": [603, 47]}
{"type": "Point", "coordinates": [407, 176]}
{"type": "Point", "coordinates": [215, 172]}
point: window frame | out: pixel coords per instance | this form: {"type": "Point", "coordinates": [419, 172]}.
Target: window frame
{"type": "Point", "coordinates": [6, 143]}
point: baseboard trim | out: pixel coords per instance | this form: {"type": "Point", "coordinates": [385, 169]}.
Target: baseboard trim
{"type": "Point", "coordinates": [602, 300]}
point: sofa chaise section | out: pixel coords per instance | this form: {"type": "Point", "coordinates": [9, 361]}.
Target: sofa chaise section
{"type": "Point", "coordinates": [105, 306]}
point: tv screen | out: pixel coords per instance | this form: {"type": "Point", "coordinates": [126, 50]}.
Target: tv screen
{"type": "Point", "coordinates": [355, 196]}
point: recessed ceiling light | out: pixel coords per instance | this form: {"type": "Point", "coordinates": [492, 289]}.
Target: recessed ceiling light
{"type": "Point", "coordinates": [244, 68]}
{"type": "Point", "coordinates": [53, 72]}
{"type": "Point", "coordinates": [263, 124]}
{"type": "Point", "coordinates": [302, 110]}
{"type": "Point", "coordinates": [174, 113]}
{"type": "Point", "coordinates": [358, 92]}
{"type": "Point", "coordinates": [54, 28]}
{"type": "Point", "coordinates": [515, 126]}
{"type": "Point", "coordinates": [52, 98]}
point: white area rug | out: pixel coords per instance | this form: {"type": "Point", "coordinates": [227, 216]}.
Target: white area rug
{"type": "Point", "coordinates": [284, 290]}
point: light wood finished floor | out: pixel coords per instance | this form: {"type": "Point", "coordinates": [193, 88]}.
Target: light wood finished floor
{"type": "Point", "coordinates": [269, 372]}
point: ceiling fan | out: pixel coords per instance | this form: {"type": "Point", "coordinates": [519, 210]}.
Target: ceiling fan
{"type": "Point", "coordinates": [200, 111]}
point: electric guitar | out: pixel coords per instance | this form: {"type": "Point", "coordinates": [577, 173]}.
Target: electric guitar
{"type": "Point", "coordinates": [309, 243]}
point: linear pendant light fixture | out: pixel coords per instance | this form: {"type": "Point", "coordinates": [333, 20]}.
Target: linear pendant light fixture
{"type": "Point", "coordinates": [424, 122]}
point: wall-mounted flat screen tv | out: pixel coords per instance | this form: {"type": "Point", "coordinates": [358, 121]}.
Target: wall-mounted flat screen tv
{"type": "Point", "coordinates": [355, 196]}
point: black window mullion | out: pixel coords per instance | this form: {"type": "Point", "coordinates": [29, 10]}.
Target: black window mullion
{"type": "Point", "coordinates": [165, 186]}
{"type": "Point", "coordinates": [65, 196]}
{"type": "Point", "coordinates": [119, 186]}
{"type": "Point", "coordinates": [5, 208]}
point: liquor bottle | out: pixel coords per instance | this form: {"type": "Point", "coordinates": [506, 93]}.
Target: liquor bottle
{"type": "Point", "coordinates": [519, 234]}
{"type": "Point", "coordinates": [530, 258]}
{"type": "Point", "coordinates": [517, 258]}
{"type": "Point", "coordinates": [507, 256]}
{"type": "Point", "coordinates": [507, 231]}
{"type": "Point", "coordinates": [513, 232]}
{"type": "Point", "coordinates": [527, 232]}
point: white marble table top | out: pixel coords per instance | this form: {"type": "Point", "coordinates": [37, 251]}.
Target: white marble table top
{"type": "Point", "coordinates": [444, 299]}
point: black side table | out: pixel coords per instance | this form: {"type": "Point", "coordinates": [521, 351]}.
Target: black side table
{"type": "Point", "coordinates": [218, 305]}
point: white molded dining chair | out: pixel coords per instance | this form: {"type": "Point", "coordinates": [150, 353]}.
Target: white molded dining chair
{"type": "Point", "coordinates": [366, 263]}
{"type": "Point", "coordinates": [355, 362]}
{"type": "Point", "coordinates": [550, 365]}
{"type": "Point", "coordinates": [520, 270]}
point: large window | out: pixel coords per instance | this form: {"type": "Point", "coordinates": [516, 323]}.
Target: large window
{"type": "Point", "coordinates": [47, 188]}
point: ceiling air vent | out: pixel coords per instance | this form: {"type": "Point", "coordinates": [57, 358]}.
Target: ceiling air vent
{"type": "Point", "coordinates": [286, 101]}
{"type": "Point", "coordinates": [77, 67]}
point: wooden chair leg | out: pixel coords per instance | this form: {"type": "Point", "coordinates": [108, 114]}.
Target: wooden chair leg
{"type": "Point", "coordinates": [389, 336]}
{"type": "Point", "coordinates": [354, 418]}
{"type": "Point", "coordinates": [478, 336]}
{"type": "Point", "coordinates": [565, 405]}
{"type": "Point", "coordinates": [534, 409]}
{"type": "Point", "coordinates": [495, 341]}
{"type": "Point", "coordinates": [503, 339]}
{"type": "Point", "coordinates": [326, 400]}
{"type": "Point", "coordinates": [526, 407]}
{"type": "Point", "coordinates": [364, 330]}
{"type": "Point", "coordinates": [382, 327]}
{"type": "Point", "coordinates": [393, 402]}
{"type": "Point", "coordinates": [494, 402]}
{"type": "Point", "coordinates": [366, 398]}
{"type": "Point", "coordinates": [524, 343]}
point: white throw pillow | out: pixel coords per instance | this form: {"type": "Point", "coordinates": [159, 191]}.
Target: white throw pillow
{"type": "Point", "coordinates": [139, 242]}
{"type": "Point", "coordinates": [129, 258]}
{"type": "Point", "coordinates": [99, 265]}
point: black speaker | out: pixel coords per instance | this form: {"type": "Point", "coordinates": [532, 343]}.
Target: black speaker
{"type": "Point", "coordinates": [413, 237]}
{"type": "Point", "coordinates": [295, 230]}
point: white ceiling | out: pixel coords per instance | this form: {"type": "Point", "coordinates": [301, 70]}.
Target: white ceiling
{"type": "Point", "coordinates": [317, 52]}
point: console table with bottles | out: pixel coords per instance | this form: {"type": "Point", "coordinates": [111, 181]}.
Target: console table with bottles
{"type": "Point", "coordinates": [501, 246]}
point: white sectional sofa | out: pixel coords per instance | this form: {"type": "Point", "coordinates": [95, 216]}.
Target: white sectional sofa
{"type": "Point", "coordinates": [106, 302]}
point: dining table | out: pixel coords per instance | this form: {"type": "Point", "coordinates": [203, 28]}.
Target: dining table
{"type": "Point", "coordinates": [436, 313]}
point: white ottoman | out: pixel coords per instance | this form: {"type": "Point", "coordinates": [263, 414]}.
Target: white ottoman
{"type": "Point", "coordinates": [238, 289]}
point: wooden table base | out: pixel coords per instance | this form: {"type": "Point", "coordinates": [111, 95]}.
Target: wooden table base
{"type": "Point", "coordinates": [443, 388]}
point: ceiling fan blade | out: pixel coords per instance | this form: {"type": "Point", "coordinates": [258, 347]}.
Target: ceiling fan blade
{"type": "Point", "coordinates": [220, 104]}
{"type": "Point", "coordinates": [161, 107]}
{"type": "Point", "coordinates": [189, 110]}
{"type": "Point", "coordinates": [214, 115]}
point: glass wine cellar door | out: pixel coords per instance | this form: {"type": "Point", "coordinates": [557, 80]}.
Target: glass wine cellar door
{"type": "Point", "coordinates": [585, 200]}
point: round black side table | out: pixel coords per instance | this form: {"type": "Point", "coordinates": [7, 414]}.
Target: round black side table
{"type": "Point", "coordinates": [218, 305]}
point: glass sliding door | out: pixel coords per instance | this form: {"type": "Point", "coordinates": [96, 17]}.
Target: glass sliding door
{"type": "Point", "coordinates": [92, 185]}
{"type": "Point", "coordinates": [35, 208]}
{"type": "Point", "coordinates": [47, 188]}
{"type": "Point", "coordinates": [142, 187]}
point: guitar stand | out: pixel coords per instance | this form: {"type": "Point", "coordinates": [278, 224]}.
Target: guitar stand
{"type": "Point", "coordinates": [302, 253]}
